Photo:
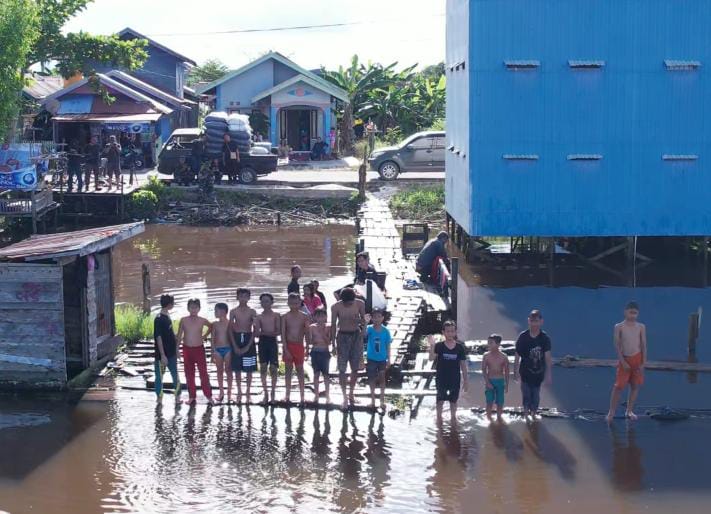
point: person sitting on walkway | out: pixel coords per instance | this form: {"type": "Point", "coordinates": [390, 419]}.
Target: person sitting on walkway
{"type": "Point", "coordinates": [427, 264]}
{"type": "Point", "coordinates": [318, 152]}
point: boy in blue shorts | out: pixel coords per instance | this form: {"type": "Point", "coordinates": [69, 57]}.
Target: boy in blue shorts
{"type": "Point", "coordinates": [495, 369]}
{"type": "Point", "coordinates": [320, 352]}
{"type": "Point", "coordinates": [378, 349]}
{"type": "Point", "coordinates": [222, 341]}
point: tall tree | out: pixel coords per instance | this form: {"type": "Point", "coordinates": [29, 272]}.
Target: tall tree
{"type": "Point", "coordinates": [210, 70]}
{"type": "Point", "coordinates": [78, 52]}
{"type": "Point", "coordinates": [18, 31]}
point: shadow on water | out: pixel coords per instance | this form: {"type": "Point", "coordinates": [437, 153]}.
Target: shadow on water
{"type": "Point", "coordinates": [550, 450]}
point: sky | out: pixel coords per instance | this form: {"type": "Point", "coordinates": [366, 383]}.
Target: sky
{"type": "Point", "coordinates": [385, 31]}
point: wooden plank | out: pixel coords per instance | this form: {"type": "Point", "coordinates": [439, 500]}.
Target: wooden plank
{"type": "Point", "coordinates": [48, 316]}
{"type": "Point", "coordinates": [30, 292]}
{"type": "Point", "coordinates": [30, 329]}
{"type": "Point", "coordinates": [21, 272]}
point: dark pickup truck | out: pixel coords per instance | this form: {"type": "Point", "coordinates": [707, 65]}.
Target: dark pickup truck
{"type": "Point", "coordinates": [180, 146]}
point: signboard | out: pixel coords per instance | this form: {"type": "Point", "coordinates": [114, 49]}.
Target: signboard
{"type": "Point", "coordinates": [17, 167]}
{"type": "Point", "coordinates": [131, 128]}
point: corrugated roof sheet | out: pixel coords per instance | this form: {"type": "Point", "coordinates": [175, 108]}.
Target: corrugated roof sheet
{"type": "Point", "coordinates": [64, 244]}
{"type": "Point", "coordinates": [41, 86]}
{"type": "Point", "coordinates": [117, 118]}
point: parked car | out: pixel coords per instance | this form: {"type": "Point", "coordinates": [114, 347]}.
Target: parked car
{"type": "Point", "coordinates": [423, 151]}
{"type": "Point", "coordinates": [179, 147]}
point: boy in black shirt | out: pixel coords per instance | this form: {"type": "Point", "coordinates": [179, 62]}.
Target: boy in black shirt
{"type": "Point", "coordinates": [451, 365]}
{"type": "Point", "coordinates": [166, 354]}
{"type": "Point", "coordinates": [293, 286]}
{"type": "Point", "coordinates": [533, 352]}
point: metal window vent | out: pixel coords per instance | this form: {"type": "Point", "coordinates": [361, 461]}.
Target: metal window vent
{"type": "Point", "coordinates": [522, 65]}
{"type": "Point", "coordinates": [681, 65]}
{"type": "Point", "coordinates": [680, 157]}
{"type": "Point", "coordinates": [584, 157]}
{"type": "Point", "coordinates": [457, 65]}
{"type": "Point", "coordinates": [586, 65]}
{"type": "Point", "coordinates": [520, 157]}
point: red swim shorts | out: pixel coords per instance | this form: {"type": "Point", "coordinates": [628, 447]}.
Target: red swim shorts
{"type": "Point", "coordinates": [297, 352]}
{"type": "Point", "coordinates": [633, 375]}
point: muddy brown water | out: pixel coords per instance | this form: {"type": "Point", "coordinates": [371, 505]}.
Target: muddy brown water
{"type": "Point", "coordinates": [121, 452]}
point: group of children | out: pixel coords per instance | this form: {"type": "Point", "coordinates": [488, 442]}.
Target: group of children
{"type": "Point", "coordinates": [244, 341]}
{"type": "Point", "coordinates": [241, 338]}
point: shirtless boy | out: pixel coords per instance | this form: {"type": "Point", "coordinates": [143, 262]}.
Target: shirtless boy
{"type": "Point", "coordinates": [630, 338]}
{"type": "Point", "coordinates": [320, 353]}
{"type": "Point", "coordinates": [191, 332]}
{"type": "Point", "coordinates": [245, 354]}
{"type": "Point", "coordinates": [222, 349]}
{"type": "Point", "coordinates": [267, 327]}
{"type": "Point", "coordinates": [294, 328]}
{"type": "Point", "coordinates": [495, 369]}
{"type": "Point", "coordinates": [347, 320]}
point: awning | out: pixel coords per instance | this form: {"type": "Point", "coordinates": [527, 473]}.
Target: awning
{"type": "Point", "coordinates": [109, 118]}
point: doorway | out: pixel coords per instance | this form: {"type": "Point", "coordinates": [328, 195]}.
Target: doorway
{"type": "Point", "coordinates": [298, 127]}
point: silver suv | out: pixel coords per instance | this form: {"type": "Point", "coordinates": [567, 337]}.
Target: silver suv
{"type": "Point", "coordinates": [423, 151]}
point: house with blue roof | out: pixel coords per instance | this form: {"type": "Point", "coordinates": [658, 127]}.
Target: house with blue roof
{"type": "Point", "coordinates": [298, 103]}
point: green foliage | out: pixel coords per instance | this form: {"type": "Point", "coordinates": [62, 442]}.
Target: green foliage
{"type": "Point", "coordinates": [419, 203]}
{"type": "Point", "coordinates": [399, 102]}
{"type": "Point", "coordinates": [132, 324]}
{"type": "Point", "coordinates": [259, 123]}
{"type": "Point", "coordinates": [156, 187]}
{"type": "Point", "coordinates": [18, 32]}
{"type": "Point", "coordinates": [143, 205]}
{"type": "Point", "coordinates": [209, 71]}
{"type": "Point", "coordinates": [78, 52]}
{"type": "Point", "coordinates": [438, 124]}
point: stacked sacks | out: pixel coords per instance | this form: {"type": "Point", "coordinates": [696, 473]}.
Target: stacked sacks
{"type": "Point", "coordinates": [215, 129]}
{"type": "Point", "coordinates": [240, 131]}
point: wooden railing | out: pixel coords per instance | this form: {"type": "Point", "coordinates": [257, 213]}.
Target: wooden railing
{"type": "Point", "coordinates": [22, 205]}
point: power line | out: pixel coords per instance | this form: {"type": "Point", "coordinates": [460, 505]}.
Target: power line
{"type": "Point", "coordinates": [278, 29]}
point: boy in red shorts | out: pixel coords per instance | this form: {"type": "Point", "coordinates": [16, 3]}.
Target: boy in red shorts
{"type": "Point", "coordinates": [631, 345]}
{"type": "Point", "coordinates": [294, 328]}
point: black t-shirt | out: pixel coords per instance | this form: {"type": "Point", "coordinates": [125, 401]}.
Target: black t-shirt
{"type": "Point", "coordinates": [163, 327]}
{"type": "Point", "coordinates": [361, 275]}
{"type": "Point", "coordinates": [448, 362]}
{"type": "Point", "coordinates": [293, 287]}
{"type": "Point", "coordinates": [532, 352]}
{"type": "Point", "coordinates": [93, 153]}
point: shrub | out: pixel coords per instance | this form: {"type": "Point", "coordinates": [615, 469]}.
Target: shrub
{"type": "Point", "coordinates": [156, 187]}
{"type": "Point", "coordinates": [143, 205]}
{"type": "Point", "coordinates": [418, 203]}
{"type": "Point", "coordinates": [132, 324]}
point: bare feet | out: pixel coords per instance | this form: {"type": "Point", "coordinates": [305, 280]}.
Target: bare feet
{"type": "Point", "coordinates": [239, 398]}
{"type": "Point", "coordinates": [610, 416]}
{"type": "Point", "coordinates": [265, 400]}
{"type": "Point", "coordinates": [631, 415]}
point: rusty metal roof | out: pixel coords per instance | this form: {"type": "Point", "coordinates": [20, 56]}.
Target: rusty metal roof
{"type": "Point", "coordinates": [66, 244]}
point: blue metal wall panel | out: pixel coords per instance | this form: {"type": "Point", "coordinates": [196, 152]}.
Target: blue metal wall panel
{"type": "Point", "coordinates": [75, 104]}
{"type": "Point", "coordinates": [631, 112]}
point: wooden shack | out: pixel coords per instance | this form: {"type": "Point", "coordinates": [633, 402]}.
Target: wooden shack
{"type": "Point", "coordinates": [57, 305]}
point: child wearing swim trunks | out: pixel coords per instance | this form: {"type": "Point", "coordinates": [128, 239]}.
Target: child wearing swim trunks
{"type": "Point", "coordinates": [630, 338]}
{"type": "Point", "coordinates": [294, 328]}
{"type": "Point", "coordinates": [495, 370]}
{"type": "Point", "coordinates": [267, 327]}
{"type": "Point", "coordinates": [245, 353]}
{"type": "Point", "coordinates": [320, 353]}
{"type": "Point", "coordinates": [378, 349]}
{"type": "Point", "coordinates": [450, 359]}
{"type": "Point", "coordinates": [222, 349]}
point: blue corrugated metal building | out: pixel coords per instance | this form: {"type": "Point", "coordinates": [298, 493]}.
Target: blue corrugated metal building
{"type": "Point", "coordinates": [579, 118]}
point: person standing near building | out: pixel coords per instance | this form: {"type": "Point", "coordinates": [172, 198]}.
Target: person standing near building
{"type": "Point", "coordinates": [533, 364]}
{"type": "Point", "coordinates": [74, 160]}
{"type": "Point", "coordinates": [230, 158]}
{"type": "Point", "coordinates": [112, 151]}
{"type": "Point", "coordinates": [93, 162]}
{"type": "Point", "coordinates": [197, 154]}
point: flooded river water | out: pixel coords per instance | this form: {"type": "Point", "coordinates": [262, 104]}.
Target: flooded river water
{"type": "Point", "coordinates": [121, 452]}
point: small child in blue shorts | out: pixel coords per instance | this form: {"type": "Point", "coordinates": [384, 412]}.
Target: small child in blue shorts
{"type": "Point", "coordinates": [378, 349]}
{"type": "Point", "coordinates": [495, 368]}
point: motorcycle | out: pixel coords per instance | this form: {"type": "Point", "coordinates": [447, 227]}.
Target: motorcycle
{"type": "Point", "coordinates": [132, 157]}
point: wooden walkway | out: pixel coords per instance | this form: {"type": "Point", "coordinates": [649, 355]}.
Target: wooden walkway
{"type": "Point", "coordinates": [380, 238]}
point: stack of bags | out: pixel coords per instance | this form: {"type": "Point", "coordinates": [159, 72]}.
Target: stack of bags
{"type": "Point", "coordinates": [215, 129]}
{"type": "Point", "coordinates": [240, 131]}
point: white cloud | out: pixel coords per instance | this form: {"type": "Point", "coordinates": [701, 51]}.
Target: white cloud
{"type": "Point", "coordinates": [388, 30]}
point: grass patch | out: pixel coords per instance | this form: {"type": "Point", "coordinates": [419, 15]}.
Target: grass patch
{"type": "Point", "coordinates": [419, 203]}
{"type": "Point", "coordinates": [132, 324]}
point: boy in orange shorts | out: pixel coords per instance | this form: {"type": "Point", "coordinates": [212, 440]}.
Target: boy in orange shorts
{"type": "Point", "coordinates": [631, 345]}
{"type": "Point", "coordinates": [294, 328]}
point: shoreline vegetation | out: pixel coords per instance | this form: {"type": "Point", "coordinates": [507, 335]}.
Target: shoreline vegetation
{"type": "Point", "coordinates": [158, 202]}
{"type": "Point", "coordinates": [421, 204]}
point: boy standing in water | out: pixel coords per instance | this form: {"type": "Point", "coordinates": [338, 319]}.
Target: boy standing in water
{"type": "Point", "coordinates": [451, 369]}
{"type": "Point", "coordinates": [245, 354]}
{"type": "Point", "coordinates": [190, 333]}
{"type": "Point", "coordinates": [533, 351]}
{"type": "Point", "coordinates": [630, 338]}
{"type": "Point", "coordinates": [495, 369]}
{"type": "Point", "coordinates": [320, 334]}
{"type": "Point", "coordinates": [294, 328]}
{"type": "Point", "coordinates": [222, 349]}
{"type": "Point", "coordinates": [166, 352]}
{"type": "Point", "coordinates": [378, 350]}
{"type": "Point", "coordinates": [267, 327]}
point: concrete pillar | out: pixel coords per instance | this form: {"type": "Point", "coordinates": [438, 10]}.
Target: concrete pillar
{"type": "Point", "coordinates": [327, 126]}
